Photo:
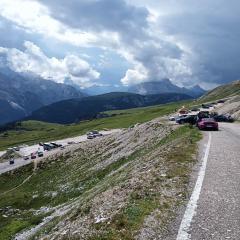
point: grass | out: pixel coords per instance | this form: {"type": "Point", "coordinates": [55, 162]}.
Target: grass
{"type": "Point", "coordinates": [51, 177]}
{"type": "Point", "coordinates": [143, 202]}
{"type": "Point", "coordinates": [222, 92]}
{"type": "Point", "coordinates": [13, 227]}
{"type": "Point", "coordinates": [30, 132]}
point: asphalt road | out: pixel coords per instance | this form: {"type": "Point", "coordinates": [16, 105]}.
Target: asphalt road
{"type": "Point", "coordinates": [6, 167]}
{"type": "Point", "coordinates": [217, 213]}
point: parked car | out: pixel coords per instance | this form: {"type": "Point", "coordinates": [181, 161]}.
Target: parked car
{"type": "Point", "coordinates": [91, 136]}
{"type": "Point", "coordinates": [203, 114]}
{"type": "Point", "coordinates": [40, 154]}
{"type": "Point", "coordinates": [221, 101]}
{"type": "Point", "coordinates": [95, 133]}
{"type": "Point", "coordinates": [223, 118]}
{"type": "Point", "coordinates": [25, 157]}
{"type": "Point", "coordinates": [62, 147]}
{"type": "Point", "coordinates": [16, 148]}
{"type": "Point", "coordinates": [205, 106]}
{"type": "Point", "coordinates": [47, 147]}
{"type": "Point", "coordinates": [56, 145]}
{"type": "Point", "coordinates": [195, 109]}
{"type": "Point", "coordinates": [207, 123]}
{"type": "Point", "coordinates": [187, 119]}
{"type": "Point", "coordinates": [11, 161]}
{"type": "Point", "coordinates": [33, 156]}
{"type": "Point", "coordinates": [172, 118]}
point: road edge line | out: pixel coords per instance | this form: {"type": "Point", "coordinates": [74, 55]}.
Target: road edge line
{"type": "Point", "coordinates": [192, 204]}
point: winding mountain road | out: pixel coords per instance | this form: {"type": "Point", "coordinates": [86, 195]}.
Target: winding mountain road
{"type": "Point", "coordinates": [213, 212]}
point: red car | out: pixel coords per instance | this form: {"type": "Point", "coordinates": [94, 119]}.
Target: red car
{"type": "Point", "coordinates": [207, 123]}
{"type": "Point", "coordinates": [33, 156]}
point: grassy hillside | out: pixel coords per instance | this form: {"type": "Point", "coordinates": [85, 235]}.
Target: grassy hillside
{"type": "Point", "coordinates": [75, 110]}
{"type": "Point", "coordinates": [223, 91]}
{"type": "Point", "coordinates": [129, 179]}
{"type": "Point", "coordinates": [34, 131]}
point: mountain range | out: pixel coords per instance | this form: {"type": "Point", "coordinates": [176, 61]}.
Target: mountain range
{"type": "Point", "coordinates": [25, 94]}
{"type": "Point", "coordinates": [165, 86]}
{"type": "Point", "coordinates": [75, 110]}
{"type": "Point", "coordinates": [21, 94]}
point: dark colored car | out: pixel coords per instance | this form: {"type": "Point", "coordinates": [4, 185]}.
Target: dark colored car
{"type": "Point", "coordinates": [56, 145]}
{"type": "Point", "coordinates": [207, 123]}
{"type": "Point", "coordinates": [11, 161]}
{"type": "Point", "coordinates": [26, 157]}
{"type": "Point", "coordinates": [203, 114]}
{"type": "Point", "coordinates": [223, 118]}
{"type": "Point", "coordinates": [206, 106]}
{"type": "Point", "coordinates": [187, 119]}
{"type": "Point", "coordinates": [195, 109]}
{"type": "Point", "coordinates": [40, 154]}
{"type": "Point", "coordinates": [221, 101]}
{"type": "Point", "coordinates": [47, 147]}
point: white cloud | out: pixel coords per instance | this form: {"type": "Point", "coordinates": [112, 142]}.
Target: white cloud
{"type": "Point", "coordinates": [34, 17]}
{"type": "Point", "coordinates": [33, 60]}
{"type": "Point", "coordinates": [134, 76]}
{"type": "Point", "coordinates": [129, 33]}
{"type": "Point", "coordinates": [133, 33]}
{"type": "Point", "coordinates": [189, 42]}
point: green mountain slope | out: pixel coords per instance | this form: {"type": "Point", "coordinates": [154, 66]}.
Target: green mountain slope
{"type": "Point", "coordinates": [75, 110]}
{"type": "Point", "coordinates": [223, 91]}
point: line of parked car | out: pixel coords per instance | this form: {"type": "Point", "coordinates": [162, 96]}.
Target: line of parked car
{"type": "Point", "coordinates": [27, 157]}
{"type": "Point", "coordinates": [192, 118]}
{"type": "Point", "coordinates": [203, 119]}
{"type": "Point", "coordinates": [39, 153]}
{"type": "Point", "coordinates": [52, 145]}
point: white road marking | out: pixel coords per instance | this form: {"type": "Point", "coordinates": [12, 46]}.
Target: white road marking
{"type": "Point", "coordinates": [183, 232]}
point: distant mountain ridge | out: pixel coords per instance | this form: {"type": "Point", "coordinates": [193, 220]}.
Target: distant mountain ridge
{"type": "Point", "coordinates": [75, 110]}
{"type": "Point", "coordinates": [165, 86]}
{"type": "Point", "coordinates": [22, 94]}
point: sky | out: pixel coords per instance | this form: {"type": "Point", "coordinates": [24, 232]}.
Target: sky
{"type": "Point", "coordinates": [112, 44]}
